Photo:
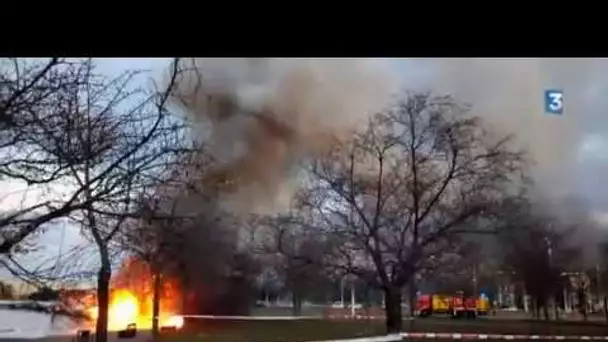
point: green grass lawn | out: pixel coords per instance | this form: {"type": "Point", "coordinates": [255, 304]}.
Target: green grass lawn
{"type": "Point", "coordinates": [498, 326]}
{"type": "Point", "coordinates": [316, 330]}
{"type": "Point", "coordinates": [268, 331]}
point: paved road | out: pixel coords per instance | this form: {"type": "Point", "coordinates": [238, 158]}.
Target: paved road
{"type": "Point", "coordinates": [144, 336]}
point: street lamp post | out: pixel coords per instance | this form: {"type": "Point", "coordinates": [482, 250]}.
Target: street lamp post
{"type": "Point", "coordinates": [352, 299]}
{"type": "Point", "coordinates": [342, 285]}
{"type": "Point", "coordinates": [550, 261]}
{"type": "Point", "coordinates": [475, 290]}
{"type": "Point", "coordinates": [567, 307]}
{"type": "Point", "coordinates": [598, 284]}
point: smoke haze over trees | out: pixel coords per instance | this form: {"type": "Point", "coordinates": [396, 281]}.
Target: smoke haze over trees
{"type": "Point", "coordinates": [402, 191]}
{"type": "Point", "coordinates": [349, 176]}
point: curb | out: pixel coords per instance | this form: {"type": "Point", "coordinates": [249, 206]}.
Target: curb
{"type": "Point", "coordinates": [469, 336]}
{"type": "Point", "coordinates": [349, 317]}
{"type": "Point", "coordinates": [253, 318]}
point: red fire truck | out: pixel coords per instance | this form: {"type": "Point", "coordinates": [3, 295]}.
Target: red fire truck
{"type": "Point", "coordinates": [454, 305]}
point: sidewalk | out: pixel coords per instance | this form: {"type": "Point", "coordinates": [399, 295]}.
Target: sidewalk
{"type": "Point", "coordinates": [571, 316]}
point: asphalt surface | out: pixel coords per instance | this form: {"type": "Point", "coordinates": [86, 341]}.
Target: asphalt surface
{"type": "Point", "coordinates": [427, 325]}
{"type": "Point", "coordinates": [145, 337]}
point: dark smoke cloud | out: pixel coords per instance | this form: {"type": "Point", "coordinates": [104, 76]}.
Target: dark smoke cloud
{"type": "Point", "coordinates": [264, 114]}
{"type": "Point", "coordinates": [260, 116]}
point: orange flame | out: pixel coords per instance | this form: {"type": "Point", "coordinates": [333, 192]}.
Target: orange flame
{"type": "Point", "coordinates": [131, 299]}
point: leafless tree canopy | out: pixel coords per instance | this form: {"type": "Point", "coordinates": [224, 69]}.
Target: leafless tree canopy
{"type": "Point", "coordinates": [64, 126]}
{"type": "Point", "coordinates": [99, 144]}
{"type": "Point", "coordinates": [32, 94]}
{"type": "Point", "coordinates": [538, 250]}
{"type": "Point", "coordinates": [403, 189]}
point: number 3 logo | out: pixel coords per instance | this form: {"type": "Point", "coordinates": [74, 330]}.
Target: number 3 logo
{"type": "Point", "coordinates": [554, 101]}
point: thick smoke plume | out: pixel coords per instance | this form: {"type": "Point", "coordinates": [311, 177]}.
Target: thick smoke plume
{"type": "Point", "coordinates": [260, 117]}
{"type": "Point", "coordinates": [509, 93]}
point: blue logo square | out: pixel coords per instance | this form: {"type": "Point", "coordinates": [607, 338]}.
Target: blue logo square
{"type": "Point", "coordinates": [554, 101]}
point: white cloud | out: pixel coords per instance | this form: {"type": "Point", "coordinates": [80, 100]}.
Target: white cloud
{"type": "Point", "coordinates": [594, 147]}
{"type": "Point", "coordinates": [601, 217]}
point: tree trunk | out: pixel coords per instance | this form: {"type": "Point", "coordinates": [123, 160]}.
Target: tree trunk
{"type": "Point", "coordinates": [546, 310]}
{"type": "Point", "coordinates": [412, 291]}
{"type": "Point", "coordinates": [103, 297]}
{"type": "Point", "coordinates": [582, 303]}
{"type": "Point", "coordinates": [296, 304]}
{"type": "Point", "coordinates": [584, 311]}
{"type": "Point", "coordinates": [556, 308]}
{"type": "Point", "coordinates": [156, 305]}
{"type": "Point", "coordinates": [606, 308]}
{"type": "Point", "coordinates": [393, 310]}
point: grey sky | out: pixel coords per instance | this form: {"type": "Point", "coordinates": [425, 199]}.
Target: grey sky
{"type": "Point", "coordinates": [570, 150]}
{"type": "Point", "coordinates": [60, 238]}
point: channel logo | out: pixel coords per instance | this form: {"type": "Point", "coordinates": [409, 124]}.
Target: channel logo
{"type": "Point", "coordinates": [554, 101]}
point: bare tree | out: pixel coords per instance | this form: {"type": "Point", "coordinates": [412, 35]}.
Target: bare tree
{"type": "Point", "coordinates": [537, 248]}
{"type": "Point", "coordinates": [33, 97]}
{"type": "Point", "coordinates": [157, 235]}
{"type": "Point", "coordinates": [403, 189]}
{"type": "Point", "coordinates": [109, 141]}
{"type": "Point", "coordinates": [145, 141]}
{"type": "Point", "coordinates": [147, 240]}
{"type": "Point", "coordinates": [300, 263]}
{"type": "Point", "coordinates": [454, 270]}
{"type": "Point", "coordinates": [182, 233]}
{"type": "Point", "coordinates": [603, 275]}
